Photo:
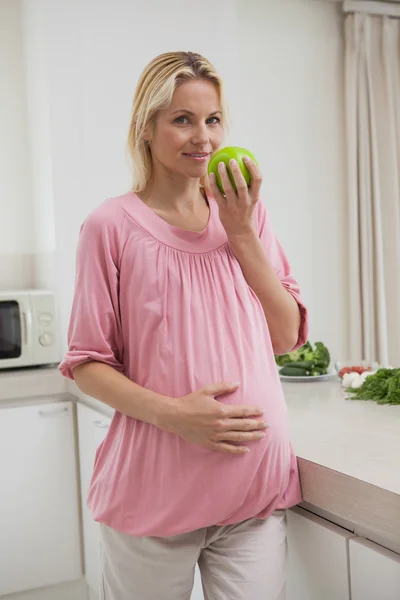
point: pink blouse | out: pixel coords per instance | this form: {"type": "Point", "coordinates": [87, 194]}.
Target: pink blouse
{"type": "Point", "coordinates": [171, 309]}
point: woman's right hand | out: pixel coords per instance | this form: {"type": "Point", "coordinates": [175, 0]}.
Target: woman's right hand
{"type": "Point", "coordinates": [202, 420]}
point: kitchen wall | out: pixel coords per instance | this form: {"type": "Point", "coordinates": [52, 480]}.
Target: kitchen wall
{"type": "Point", "coordinates": [293, 117]}
{"type": "Point", "coordinates": [92, 65]}
{"type": "Point", "coordinates": [37, 52]}
{"type": "Point", "coordinates": [16, 209]}
{"type": "Point", "coordinates": [282, 64]}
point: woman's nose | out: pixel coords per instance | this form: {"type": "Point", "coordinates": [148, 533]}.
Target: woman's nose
{"type": "Point", "coordinates": [200, 135]}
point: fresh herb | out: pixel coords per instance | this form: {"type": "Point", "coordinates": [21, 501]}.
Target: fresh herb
{"type": "Point", "coordinates": [383, 387]}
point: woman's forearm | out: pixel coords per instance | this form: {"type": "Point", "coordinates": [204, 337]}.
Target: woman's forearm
{"type": "Point", "coordinates": [280, 308]}
{"type": "Point", "coordinates": [104, 383]}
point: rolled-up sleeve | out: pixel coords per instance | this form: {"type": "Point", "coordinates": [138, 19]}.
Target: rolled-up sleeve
{"type": "Point", "coordinates": [280, 263]}
{"type": "Point", "coordinates": [94, 332]}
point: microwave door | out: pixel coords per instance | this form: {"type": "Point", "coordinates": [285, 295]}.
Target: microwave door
{"type": "Point", "coordinates": [15, 347]}
{"type": "Point", "coordinates": [11, 344]}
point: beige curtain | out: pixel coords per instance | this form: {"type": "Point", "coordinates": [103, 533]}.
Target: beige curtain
{"type": "Point", "coordinates": [372, 95]}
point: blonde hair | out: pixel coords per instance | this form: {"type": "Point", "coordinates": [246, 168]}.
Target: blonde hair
{"type": "Point", "coordinates": [154, 92]}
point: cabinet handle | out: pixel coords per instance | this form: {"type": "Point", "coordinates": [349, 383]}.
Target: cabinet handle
{"type": "Point", "coordinates": [55, 411]}
{"type": "Point", "coordinates": [100, 424]}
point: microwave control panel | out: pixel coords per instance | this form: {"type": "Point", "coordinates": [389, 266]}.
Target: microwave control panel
{"type": "Point", "coordinates": [44, 328]}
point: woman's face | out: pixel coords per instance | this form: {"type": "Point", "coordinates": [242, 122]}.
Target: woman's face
{"type": "Point", "coordinates": [186, 133]}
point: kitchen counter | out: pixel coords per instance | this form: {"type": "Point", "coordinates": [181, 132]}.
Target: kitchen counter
{"type": "Point", "coordinates": [348, 451]}
{"type": "Point", "coordinates": [39, 382]}
{"type": "Point", "coordinates": [349, 458]}
{"type": "Point", "coordinates": [360, 439]}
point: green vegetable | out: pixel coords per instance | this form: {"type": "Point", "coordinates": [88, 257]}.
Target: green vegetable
{"type": "Point", "coordinates": [316, 358]}
{"type": "Point", "coordinates": [294, 371]}
{"type": "Point", "coordinates": [303, 364]}
{"type": "Point", "coordinates": [383, 387]}
{"type": "Point", "coordinates": [322, 354]}
{"type": "Point", "coordinates": [296, 355]}
{"type": "Point", "coordinates": [319, 370]}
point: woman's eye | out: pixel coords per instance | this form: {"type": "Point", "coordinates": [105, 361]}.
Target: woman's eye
{"type": "Point", "coordinates": [214, 120]}
{"type": "Point", "coordinates": [184, 120]}
{"type": "Point", "coordinates": [181, 120]}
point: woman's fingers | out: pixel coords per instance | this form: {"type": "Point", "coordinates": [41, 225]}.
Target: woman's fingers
{"type": "Point", "coordinates": [219, 197]}
{"type": "Point", "coordinates": [240, 182]}
{"type": "Point", "coordinates": [256, 178]}
{"type": "Point", "coordinates": [238, 411]}
{"type": "Point", "coordinates": [228, 448]}
{"type": "Point", "coordinates": [238, 177]}
{"type": "Point", "coordinates": [241, 191]}
{"type": "Point", "coordinates": [243, 425]}
{"type": "Point", "coordinates": [239, 436]}
{"type": "Point", "coordinates": [226, 182]}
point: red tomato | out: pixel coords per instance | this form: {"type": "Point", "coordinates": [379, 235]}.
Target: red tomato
{"type": "Point", "coordinates": [353, 369]}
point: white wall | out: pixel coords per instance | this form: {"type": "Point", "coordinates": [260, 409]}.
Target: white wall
{"type": "Point", "coordinates": [291, 83]}
{"type": "Point", "coordinates": [16, 239]}
{"type": "Point", "coordinates": [95, 53]}
{"type": "Point", "coordinates": [36, 53]}
{"type": "Point", "coordinates": [281, 62]}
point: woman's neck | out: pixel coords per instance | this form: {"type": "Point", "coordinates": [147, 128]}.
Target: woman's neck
{"type": "Point", "coordinates": [183, 206]}
{"type": "Point", "coordinates": [167, 194]}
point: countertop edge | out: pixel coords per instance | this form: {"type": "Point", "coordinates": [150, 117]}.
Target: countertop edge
{"type": "Point", "coordinates": [368, 510]}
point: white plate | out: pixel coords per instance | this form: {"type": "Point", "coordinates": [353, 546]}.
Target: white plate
{"type": "Point", "coordinates": [304, 378]}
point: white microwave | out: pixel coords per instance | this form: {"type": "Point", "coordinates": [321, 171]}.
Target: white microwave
{"type": "Point", "coordinates": [28, 329]}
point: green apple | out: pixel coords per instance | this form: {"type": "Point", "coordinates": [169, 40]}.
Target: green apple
{"type": "Point", "coordinates": [225, 155]}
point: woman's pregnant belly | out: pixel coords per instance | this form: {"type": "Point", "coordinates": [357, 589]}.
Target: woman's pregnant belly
{"type": "Point", "coordinates": [157, 483]}
{"type": "Point", "coordinates": [151, 482]}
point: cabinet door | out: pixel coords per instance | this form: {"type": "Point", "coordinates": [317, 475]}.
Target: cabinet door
{"type": "Point", "coordinates": [318, 558]}
{"type": "Point", "coordinates": [39, 524]}
{"type": "Point", "coordinates": [375, 571]}
{"type": "Point", "coordinates": [92, 429]}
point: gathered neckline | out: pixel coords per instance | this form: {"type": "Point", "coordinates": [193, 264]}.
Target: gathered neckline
{"type": "Point", "coordinates": [213, 235]}
{"type": "Point", "coordinates": [175, 227]}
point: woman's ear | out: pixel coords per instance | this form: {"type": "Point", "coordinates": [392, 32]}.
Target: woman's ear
{"type": "Point", "coordinates": [148, 134]}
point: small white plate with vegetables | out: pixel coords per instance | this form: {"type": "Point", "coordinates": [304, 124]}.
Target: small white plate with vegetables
{"type": "Point", "coordinates": [307, 378]}
{"type": "Point", "coordinates": [305, 364]}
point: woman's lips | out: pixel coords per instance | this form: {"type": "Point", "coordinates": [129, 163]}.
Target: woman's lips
{"type": "Point", "coordinates": [198, 156]}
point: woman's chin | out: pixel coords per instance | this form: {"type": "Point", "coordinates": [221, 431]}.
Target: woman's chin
{"type": "Point", "coordinates": [196, 171]}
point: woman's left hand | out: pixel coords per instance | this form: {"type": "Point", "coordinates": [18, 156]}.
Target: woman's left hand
{"type": "Point", "coordinates": [236, 208]}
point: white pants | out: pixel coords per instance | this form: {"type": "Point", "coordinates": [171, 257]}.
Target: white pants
{"type": "Point", "coordinates": [245, 561]}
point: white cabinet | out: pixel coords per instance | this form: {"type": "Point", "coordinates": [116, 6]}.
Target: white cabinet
{"type": "Point", "coordinates": [92, 429]}
{"type": "Point", "coordinates": [374, 571]}
{"type": "Point", "coordinates": [318, 558]}
{"type": "Point", "coordinates": [39, 523]}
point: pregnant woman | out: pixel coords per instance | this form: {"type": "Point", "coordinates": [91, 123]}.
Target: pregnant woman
{"type": "Point", "coordinates": [183, 295]}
